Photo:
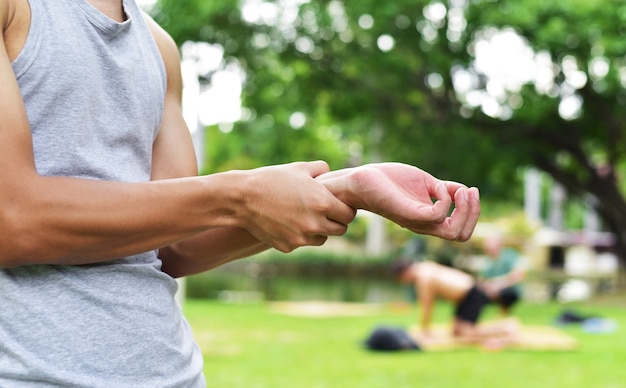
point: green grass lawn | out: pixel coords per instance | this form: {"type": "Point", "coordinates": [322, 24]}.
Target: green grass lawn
{"type": "Point", "coordinates": [251, 346]}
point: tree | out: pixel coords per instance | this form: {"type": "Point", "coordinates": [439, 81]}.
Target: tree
{"type": "Point", "coordinates": [572, 122]}
{"type": "Point", "coordinates": [408, 80]}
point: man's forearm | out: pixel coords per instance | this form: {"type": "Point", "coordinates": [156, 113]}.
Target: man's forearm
{"type": "Point", "coordinates": [504, 281]}
{"type": "Point", "coordinates": [71, 221]}
{"type": "Point", "coordinates": [58, 220]}
{"type": "Point", "coordinates": [208, 250]}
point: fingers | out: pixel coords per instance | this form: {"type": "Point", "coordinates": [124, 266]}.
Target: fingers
{"type": "Point", "coordinates": [316, 168]}
{"type": "Point", "coordinates": [461, 223]}
{"type": "Point", "coordinates": [287, 246]}
{"type": "Point", "coordinates": [441, 207]}
{"type": "Point", "coordinates": [337, 219]}
{"type": "Point", "coordinates": [310, 212]}
{"type": "Point", "coordinates": [444, 193]}
{"type": "Point", "coordinates": [344, 215]}
{"type": "Point", "coordinates": [474, 214]}
{"type": "Point", "coordinates": [452, 187]}
{"type": "Point", "coordinates": [335, 228]}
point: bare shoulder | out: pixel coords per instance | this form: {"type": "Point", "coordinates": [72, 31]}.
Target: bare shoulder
{"type": "Point", "coordinates": [164, 41]}
{"type": "Point", "coordinates": [432, 271]}
{"type": "Point", "coordinates": [171, 57]}
{"type": "Point", "coordinates": [160, 35]}
{"type": "Point", "coordinates": [427, 268]}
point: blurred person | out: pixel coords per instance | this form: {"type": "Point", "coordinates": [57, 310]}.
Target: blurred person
{"type": "Point", "coordinates": [502, 277]}
{"type": "Point", "coordinates": [102, 207]}
{"type": "Point", "coordinates": [415, 248]}
{"type": "Point", "coordinates": [434, 281]}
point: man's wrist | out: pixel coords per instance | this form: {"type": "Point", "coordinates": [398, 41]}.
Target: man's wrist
{"type": "Point", "coordinates": [341, 184]}
{"type": "Point", "coordinates": [236, 198]}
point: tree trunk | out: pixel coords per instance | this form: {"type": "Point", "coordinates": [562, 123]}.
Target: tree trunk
{"type": "Point", "coordinates": [611, 207]}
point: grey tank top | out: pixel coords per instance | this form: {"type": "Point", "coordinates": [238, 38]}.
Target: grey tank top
{"type": "Point", "coordinates": [94, 92]}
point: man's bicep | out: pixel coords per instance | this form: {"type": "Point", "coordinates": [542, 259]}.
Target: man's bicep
{"type": "Point", "coordinates": [173, 151]}
{"type": "Point", "coordinates": [173, 154]}
{"type": "Point", "coordinates": [16, 149]}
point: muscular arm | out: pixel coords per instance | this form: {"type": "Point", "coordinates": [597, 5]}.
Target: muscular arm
{"type": "Point", "coordinates": [63, 220]}
{"type": "Point", "coordinates": [72, 221]}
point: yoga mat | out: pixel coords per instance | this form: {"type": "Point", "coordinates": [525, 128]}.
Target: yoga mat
{"type": "Point", "coordinates": [529, 337]}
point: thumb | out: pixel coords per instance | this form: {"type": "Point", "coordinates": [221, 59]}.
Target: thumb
{"type": "Point", "coordinates": [317, 168]}
{"type": "Point", "coordinates": [443, 201]}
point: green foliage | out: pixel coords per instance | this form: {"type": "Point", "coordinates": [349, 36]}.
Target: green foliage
{"type": "Point", "coordinates": [398, 102]}
{"type": "Point", "coordinates": [345, 86]}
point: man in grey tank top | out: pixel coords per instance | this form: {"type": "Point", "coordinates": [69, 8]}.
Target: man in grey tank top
{"type": "Point", "coordinates": [102, 207]}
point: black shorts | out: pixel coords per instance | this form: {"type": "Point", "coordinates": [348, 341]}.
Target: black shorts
{"type": "Point", "coordinates": [470, 307]}
{"type": "Point", "coordinates": [508, 297]}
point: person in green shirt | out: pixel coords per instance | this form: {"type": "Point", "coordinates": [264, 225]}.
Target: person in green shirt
{"type": "Point", "coordinates": [502, 277]}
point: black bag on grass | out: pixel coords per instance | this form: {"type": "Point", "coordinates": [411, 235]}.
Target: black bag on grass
{"type": "Point", "coordinates": [388, 339]}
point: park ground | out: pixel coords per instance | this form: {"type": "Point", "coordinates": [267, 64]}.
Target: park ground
{"type": "Point", "coordinates": [263, 345]}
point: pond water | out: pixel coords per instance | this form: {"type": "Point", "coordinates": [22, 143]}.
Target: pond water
{"type": "Point", "coordinates": [242, 287]}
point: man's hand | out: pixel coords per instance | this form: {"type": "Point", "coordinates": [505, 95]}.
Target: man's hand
{"type": "Point", "coordinates": [490, 288]}
{"type": "Point", "coordinates": [404, 194]}
{"type": "Point", "coordinates": [286, 208]}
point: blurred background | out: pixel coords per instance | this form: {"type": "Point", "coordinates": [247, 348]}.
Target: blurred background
{"type": "Point", "coordinates": [525, 99]}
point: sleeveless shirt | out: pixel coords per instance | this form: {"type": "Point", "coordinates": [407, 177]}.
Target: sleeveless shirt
{"type": "Point", "coordinates": [94, 93]}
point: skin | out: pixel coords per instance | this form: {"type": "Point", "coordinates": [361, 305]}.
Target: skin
{"type": "Point", "coordinates": [201, 222]}
{"type": "Point", "coordinates": [433, 281]}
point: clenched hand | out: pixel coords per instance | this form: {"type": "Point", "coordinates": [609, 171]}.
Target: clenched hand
{"type": "Point", "coordinates": [404, 194]}
{"type": "Point", "coordinates": [286, 208]}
